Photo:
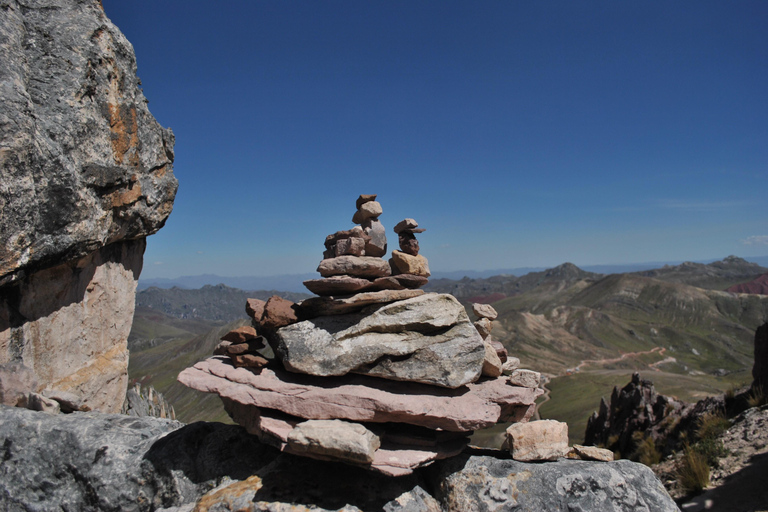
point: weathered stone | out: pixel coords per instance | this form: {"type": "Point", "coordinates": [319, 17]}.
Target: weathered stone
{"type": "Point", "coordinates": [369, 210]}
{"type": "Point", "coordinates": [538, 440]}
{"type": "Point", "coordinates": [337, 285]}
{"type": "Point", "coordinates": [525, 378]}
{"type": "Point", "coordinates": [386, 283]}
{"type": "Point", "coordinates": [377, 245]}
{"type": "Point", "coordinates": [278, 312]}
{"type": "Point", "coordinates": [510, 365]}
{"type": "Point", "coordinates": [69, 324]}
{"type": "Point", "coordinates": [364, 198]}
{"type": "Point", "coordinates": [593, 453]}
{"type": "Point", "coordinates": [491, 362]}
{"type": "Point", "coordinates": [16, 382]}
{"type": "Point", "coordinates": [84, 163]}
{"type": "Point", "coordinates": [362, 266]}
{"type": "Point", "coordinates": [408, 243]}
{"type": "Point", "coordinates": [484, 311]}
{"type": "Point", "coordinates": [254, 308]}
{"type": "Point", "coordinates": [500, 349]}
{"type": "Point", "coordinates": [319, 306]}
{"type": "Point", "coordinates": [487, 484]}
{"type": "Point", "coordinates": [484, 327]}
{"type": "Point", "coordinates": [360, 398]}
{"type": "Point", "coordinates": [248, 361]}
{"type": "Point", "coordinates": [237, 349]}
{"type": "Point", "coordinates": [407, 225]}
{"type": "Point", "coordinates": [37, 402]}
{"type": "Point", "coordinates": [336, 345]}
{"type": "Point", "coordinates": [146, 401]}
{"type": "Point", "coordinates": [241, 334]}
{"type": "Point", "coordinates": [222, 348]}
{"type": "Point", "coordinates": [350, 246]}
{"type": "Point", "coordinates": [128, 462]}
{"type": "Point", "coordinates": [68, 402]}
{"type": "Point", "coordinates": [407, 264]}
{"type": "Point", "coordinates": [355, 232]}
{"type": "Point", "coordinates": [335, 440]}
{"type": "Point", "coordinates": [451, 363]}
{"type": "Point", "coordinates": [411, 281]}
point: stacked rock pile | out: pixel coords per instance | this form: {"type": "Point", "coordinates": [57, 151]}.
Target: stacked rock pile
{"type": "Point", "coordinates": [388, 379]}
{"type": "Point", "coordinates": [353, 258]}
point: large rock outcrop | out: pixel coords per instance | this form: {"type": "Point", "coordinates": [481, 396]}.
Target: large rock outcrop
{"type": "Point", "coordinates": [94, 462]}
{"type": "Point", "coordinates": [86, 175]}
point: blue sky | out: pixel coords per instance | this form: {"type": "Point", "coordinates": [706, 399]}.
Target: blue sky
{"type": "Point", "coordinates": [518, 133]}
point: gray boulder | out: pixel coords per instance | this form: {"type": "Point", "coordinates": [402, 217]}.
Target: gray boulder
{"type": "Point", "coordinates": [483, 483]}
{"type": "Point", "coordinates": [375, 342]}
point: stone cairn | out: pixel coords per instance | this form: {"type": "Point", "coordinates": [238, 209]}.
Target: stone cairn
{"type": "Point", "coordinates": [373, 371]}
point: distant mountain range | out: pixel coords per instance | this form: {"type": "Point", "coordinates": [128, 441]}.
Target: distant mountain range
{"type": "Point", "coordinates": [293, 282]}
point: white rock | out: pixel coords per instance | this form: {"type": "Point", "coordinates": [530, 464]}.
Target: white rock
{"type": "Point", "coordinates": [538, 440]}
{"type": "Point", "coordinates": [335, 439]}
{"type": "Point", "coordinates": [525, 378]}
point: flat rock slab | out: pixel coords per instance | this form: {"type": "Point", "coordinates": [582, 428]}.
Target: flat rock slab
{"type": "Point", "coordinates": [396, 456]}
{"type": "Point", "coordinates": [337, 345]}
{"type": "Point", "coordinates": [335, 439]}
{"type": "Point", "coordinates": [337, 285]}
{"type": "Point", "coordinates": [360, 398]}
{"type": "Point", "coordinates": [320, 306]}
{"type": "Point", "coordinates": [357, 266]}
{"type": "Point", "coordinates": [538, 440]}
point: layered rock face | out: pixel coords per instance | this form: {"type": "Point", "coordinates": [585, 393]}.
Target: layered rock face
{"type": "Point", "coordinates": [86, 175]}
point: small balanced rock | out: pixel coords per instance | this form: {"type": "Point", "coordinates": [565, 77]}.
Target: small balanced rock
{"type": "Point", "coordinates": [408, 260]}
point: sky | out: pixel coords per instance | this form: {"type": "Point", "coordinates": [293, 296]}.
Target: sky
{"type": "Point", "coordinates": [519, 134]}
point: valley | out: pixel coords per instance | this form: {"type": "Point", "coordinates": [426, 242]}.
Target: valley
{"type": "Point", "coordinates": [585, 332]}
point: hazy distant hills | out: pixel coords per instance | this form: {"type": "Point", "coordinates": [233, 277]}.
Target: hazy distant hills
{"type": "Point", "coordinates": [717, 275]}
{"type": "Point", "coordinates": [293, 282]}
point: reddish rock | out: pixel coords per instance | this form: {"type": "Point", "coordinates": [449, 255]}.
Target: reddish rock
{"type": "Point", "coordinates": [350, 246]}
{"type": "Point", "coordinates": [411, 281]}
{"type": "Point", "coordinates": [356, 232]}
{"type": "Point", "coordinates": [386, 283]}
{"type": "Point", "coordinates": [408, 225]}
{"type": "Point", "coordinates": [543, 440]}
{"type": "Point", "coordinates": [408, 243]}
{"type": "Point", "coordinates": [320, 306]}
{"type": "Point", "coordinates": [16, 382]}
{"type": "Point", "coordinates": [241, 334]}
{"type": "Point", "coordinates": [359, 398]}
{"type": "Point", "coordinates": [278, 312]}
{"type": "Point", "coordinates": [337, 285]}
{"type": "Point", "coordinates": [254, 308]}
{"type": "Point", "coordinates": [243, 348]}
{"type": "Point", "coordinates": [249, 361]}
{"type": "Point", "coordinates": [501, 351]}
{"type": "Point", "coordinates": [757, 286]}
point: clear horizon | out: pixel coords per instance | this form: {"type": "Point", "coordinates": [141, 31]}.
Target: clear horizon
{"type": "Point", "coordinates": [519, 135]}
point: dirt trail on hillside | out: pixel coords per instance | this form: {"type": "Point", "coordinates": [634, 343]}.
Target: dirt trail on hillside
{"type": "Point", "coordinates": [660, 351]}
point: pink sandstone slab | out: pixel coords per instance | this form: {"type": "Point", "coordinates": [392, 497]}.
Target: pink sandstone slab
{"type": "Point", "coordinates": [360, 398]}
{"type": "Point", "coordinates": [392, 458]}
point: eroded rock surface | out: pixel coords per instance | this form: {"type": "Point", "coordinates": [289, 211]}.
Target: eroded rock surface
{"type": "Point", "coordinates": [86, 175]}
{"type": "Point", "coordinates": [106, 462]}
